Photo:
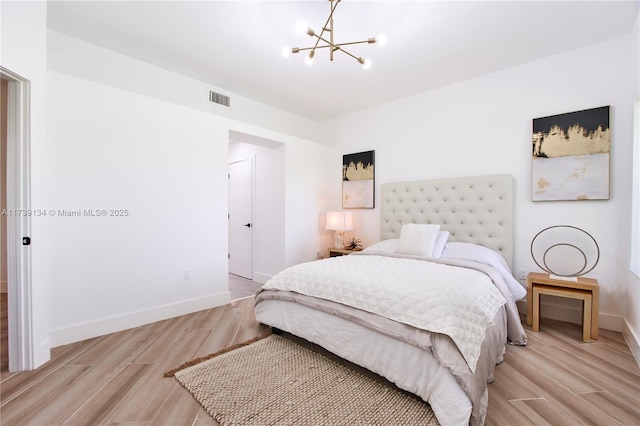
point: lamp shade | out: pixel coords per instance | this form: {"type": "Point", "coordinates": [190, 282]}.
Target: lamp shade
{"type": "Point", "coordinates": [339, 221]}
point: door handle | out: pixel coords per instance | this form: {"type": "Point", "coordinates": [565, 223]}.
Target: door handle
{"type": "Point", "coordinates": [248, 225]}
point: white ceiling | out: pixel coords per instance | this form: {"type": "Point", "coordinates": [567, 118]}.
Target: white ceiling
{"type": "Point", "coordinates": [235, 45]}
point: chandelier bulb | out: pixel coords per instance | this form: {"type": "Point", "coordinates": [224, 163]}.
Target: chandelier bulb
{"type": "Point", "coordinates": [382, 39]}
{"type": "Point", "coordinates": [309, 59]}
{"type": "Point", "coordinates": [366, 64]}
{"type": "Point", "coordinates": [286, 51]}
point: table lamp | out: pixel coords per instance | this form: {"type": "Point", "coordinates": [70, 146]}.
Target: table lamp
{"type": "Point", "coordinates": [339, 221]}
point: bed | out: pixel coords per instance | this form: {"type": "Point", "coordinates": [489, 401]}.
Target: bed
{"type": "Point", "coordinates": [430, 307]}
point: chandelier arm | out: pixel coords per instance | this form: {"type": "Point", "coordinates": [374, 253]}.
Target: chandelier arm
{"type": "Point", "coordinates": [353, 42]}
{"type": "Point", "coordinates": [336, 46]}
{"type": "Point", "coordinates": [324, 27]}
{"type": "Point", "coordinates": [311, 48]}
{"type": "Point", "coordinates": [329, 44]}
{"type": "Point", "coordinates": [323, 39]}
{"type": "Point", "coordinates": [353, 56]}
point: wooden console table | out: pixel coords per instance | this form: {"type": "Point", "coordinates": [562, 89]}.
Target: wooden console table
{"type": "Point", "coordinates": [585, 289]}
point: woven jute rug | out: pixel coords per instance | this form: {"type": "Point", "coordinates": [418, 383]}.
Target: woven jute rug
{"type": "Point", "coordinates": [275, 381]}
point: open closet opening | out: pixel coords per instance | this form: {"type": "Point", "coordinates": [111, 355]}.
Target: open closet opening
{"type": "Point", "coordinates": [256, 212]}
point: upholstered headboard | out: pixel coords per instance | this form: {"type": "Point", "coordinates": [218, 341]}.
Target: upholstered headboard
{"type": "Point", "coordinates": [473, 209]}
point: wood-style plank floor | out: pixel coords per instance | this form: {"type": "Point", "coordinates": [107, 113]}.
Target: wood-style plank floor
{"type": "Point", "coordinates": [117, 378]}
{"type": "Point", "coordinates": [240, 287]}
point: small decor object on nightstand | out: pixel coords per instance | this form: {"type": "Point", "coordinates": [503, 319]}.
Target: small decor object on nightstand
{"type": "Point", "coordinates": [353, 244]}
{"type": "Point", "coordinates": [566, 252]}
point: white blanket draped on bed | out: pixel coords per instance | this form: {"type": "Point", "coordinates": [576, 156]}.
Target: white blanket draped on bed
{"type": "Point", "coordinates": [460, 302]}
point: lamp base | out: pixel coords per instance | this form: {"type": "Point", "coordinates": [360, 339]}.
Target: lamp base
{"type": "Point", "coordinates": [338, 240]}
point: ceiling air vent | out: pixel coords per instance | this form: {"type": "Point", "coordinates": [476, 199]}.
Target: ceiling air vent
{"type": "Point", "coordinates": [218, 98]}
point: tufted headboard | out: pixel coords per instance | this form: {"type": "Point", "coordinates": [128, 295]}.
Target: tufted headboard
{"type": "Point", "coordinates": [473, 209]}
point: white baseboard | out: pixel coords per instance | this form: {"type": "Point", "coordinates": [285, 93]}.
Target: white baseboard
{"type": "Point", "coordinates": [632, 341]}
{"type": "Point", "coordinates": [75, 333]}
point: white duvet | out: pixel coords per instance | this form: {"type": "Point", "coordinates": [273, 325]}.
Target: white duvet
{"type": "Point", "coordinates": [459, 302]}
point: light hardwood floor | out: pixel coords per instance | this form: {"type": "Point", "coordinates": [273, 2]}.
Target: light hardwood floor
{"type": "Point", "coordinates": [117, 379]}
{"type": "Point", "coordinates": [240, 287]}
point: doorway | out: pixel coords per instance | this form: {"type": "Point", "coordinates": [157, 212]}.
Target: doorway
{"type": "Point", "coordinates": [16, 163]}
{"type": "Point", "coordinates": [241, 218]}
{"type": "Point", "coordinates": [268, 201]}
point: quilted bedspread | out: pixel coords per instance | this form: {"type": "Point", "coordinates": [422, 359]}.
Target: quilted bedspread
{"type": "Point", "coordinates": [459, 302]}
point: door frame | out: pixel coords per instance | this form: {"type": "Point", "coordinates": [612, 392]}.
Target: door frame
{"type": "Point", "coordinates": [18, 166]}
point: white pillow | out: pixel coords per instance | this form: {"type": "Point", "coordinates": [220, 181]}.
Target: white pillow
{"type": "Point", "coordinates": [441, 243]}
{"type": "Point", "coordinates": [490, 257]}
{"type": "Point", "coordinates": [417, 239]}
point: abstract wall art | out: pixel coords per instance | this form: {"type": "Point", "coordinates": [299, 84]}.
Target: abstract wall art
{"type": "Point", "coordinates": [358, 180]}
{"type": "Point", "coordinates": [571, 156]}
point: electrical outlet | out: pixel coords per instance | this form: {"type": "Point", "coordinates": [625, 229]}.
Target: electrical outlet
{"type": "Point", "coordinates": [522, 274]}
{"type": "Point", "coordinates": [186, 274]}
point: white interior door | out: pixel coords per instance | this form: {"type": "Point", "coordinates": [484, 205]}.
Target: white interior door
{"type": "Point", "coordinates": [240, 218]}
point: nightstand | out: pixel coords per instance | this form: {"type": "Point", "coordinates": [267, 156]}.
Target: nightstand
{"type": "Point", "coordinates": [335, 252]}
{"type": "Point", "coordinates": [585, 289]}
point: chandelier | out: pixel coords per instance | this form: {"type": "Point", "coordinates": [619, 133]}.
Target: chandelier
{"type": "Point", "coordinates": [330, 44]}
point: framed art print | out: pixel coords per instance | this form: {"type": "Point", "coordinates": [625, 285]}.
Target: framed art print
{"type": "Point", "coordinates": [571, 156]}
{"type": "Point", "coordinates": [358, 180]}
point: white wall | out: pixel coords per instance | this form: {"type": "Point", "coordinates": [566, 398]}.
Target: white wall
{"type": "Point", "coordinates": [309, 194]}
{"type": "Point", "coordinates": [632, 278]}
{"type": "Point", "coordinates": [23, 51]}
{"type": "Point", "coordinates": [270, 225]}
{"type": "Point", "coordinates": [483, 126]}
{"type": "Point", "coordinates": [163, 168]}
